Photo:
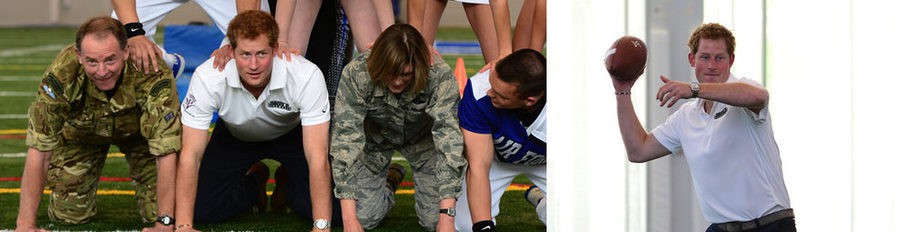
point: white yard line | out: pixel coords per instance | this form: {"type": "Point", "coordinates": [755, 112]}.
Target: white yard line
{"type": "Point", "coordinates": [30, 50]}
{"type": "Point", "coordinates": [20, 78]}
{"type": "Point", "coordinates": [13, 116]}
{"type": "Point", "coordinates": [17, 93]}
{"type": "Point", "coordinates": [13, 155]}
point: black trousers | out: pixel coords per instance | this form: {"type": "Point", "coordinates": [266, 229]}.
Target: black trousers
{"type": "Point", "coordinates": [783, 225]}
{"type": "Point", "coordinates": [223, 191]}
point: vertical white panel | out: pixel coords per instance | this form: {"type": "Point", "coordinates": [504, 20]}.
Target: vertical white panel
{"type": "Point", "coordinates": [587, 163]}
{"type": "Point", "coordinates": [875, 28]}
{"type": "Point", "coordinates": [745, 19]}
{"type": "Point", "coordinates": [809, 60]}
{"type": "Point", "coordinates": [636, 205]}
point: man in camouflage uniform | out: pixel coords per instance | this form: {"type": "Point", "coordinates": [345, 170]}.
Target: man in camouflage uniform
{"type": "Point", "coordinates": [90, 98]}
{"type": "Point", "coordinates": [395, 98]}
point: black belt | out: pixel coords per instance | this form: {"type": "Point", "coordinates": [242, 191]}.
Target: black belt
{"type": "Point", "coordinates": [755, 223]}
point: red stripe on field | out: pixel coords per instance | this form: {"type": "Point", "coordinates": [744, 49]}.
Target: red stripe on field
{"type": "Point", "coordinates": [12, 136]}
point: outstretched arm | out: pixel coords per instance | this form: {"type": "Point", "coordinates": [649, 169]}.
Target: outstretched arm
{"type": "Point", "coordinates": [36, 165]}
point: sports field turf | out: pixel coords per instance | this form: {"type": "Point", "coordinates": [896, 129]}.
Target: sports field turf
{"type": "Point", "coordinates": [25, 53]}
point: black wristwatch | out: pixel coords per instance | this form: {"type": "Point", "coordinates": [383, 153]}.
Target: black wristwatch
{"type": "Point", "coordinates": [165, 220]}
{"type": "Point", "coordinates": [449, 211]}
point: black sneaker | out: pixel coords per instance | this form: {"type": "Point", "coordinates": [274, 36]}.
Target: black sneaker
{"type": "Point", "coordinates": [534, 195]}
{"type": "Point", "coordinates": [259, 172]}
{"type": "Point", "coordinates": [395, 175]}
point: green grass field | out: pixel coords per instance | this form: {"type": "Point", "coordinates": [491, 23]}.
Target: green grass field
{"type": "Point", "coordinates": [25, 53]}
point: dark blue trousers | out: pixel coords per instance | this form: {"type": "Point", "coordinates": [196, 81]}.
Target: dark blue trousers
{"type": "Point", "coordinates": [223, 191]}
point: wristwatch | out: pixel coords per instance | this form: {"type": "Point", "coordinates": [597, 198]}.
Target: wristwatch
{"type": "Point", "coordinates": [322, 224]}
{"type": "Point", "coordinates": [449, 211]}
{"type": "Point", "coordinates": [166, 220]}
{"type": "Point", "coordinates": [695, 89]}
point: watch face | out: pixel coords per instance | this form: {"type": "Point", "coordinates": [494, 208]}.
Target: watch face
{"type": "Point", "coordinates": [321, 224]}
{"type": "Point", "coordinates": [166, 220]}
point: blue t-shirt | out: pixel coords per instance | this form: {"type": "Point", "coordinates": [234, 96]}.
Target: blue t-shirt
{"type": "Point", "coordinates": [513, 142]}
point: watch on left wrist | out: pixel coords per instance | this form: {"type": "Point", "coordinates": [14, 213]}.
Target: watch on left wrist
{"type": "Point", "coordinates": [165, 220]}
{"type": "Point", "coordinates": [448, 211]}
{"type": "Point", "coordinates": [321, 224]}
{"type": "Point", "coordinates": [695, 89]}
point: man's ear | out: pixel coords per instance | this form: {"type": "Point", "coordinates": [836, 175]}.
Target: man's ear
{"type": "Point", "coordinates": [530, 101]}
{"type": "Point", "coordinates": [691, 59]}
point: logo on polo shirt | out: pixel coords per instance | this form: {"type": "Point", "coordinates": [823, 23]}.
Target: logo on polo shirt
{"type": "Point", "coordinates": [279, 104]}
{"type": "Point", "coordinates": [721, 113]}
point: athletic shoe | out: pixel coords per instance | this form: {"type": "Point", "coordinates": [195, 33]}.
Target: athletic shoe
{"type": "Point", "coordinates": [279, 199]}
{"type": "Point", "coordinates": [178, 65]}
{"type": "Point", "coordinates": [534, 195]}
{"type": "Point", "coordinates": [395, 176]}
{"type": "Point", "coordinates": [259, 173]}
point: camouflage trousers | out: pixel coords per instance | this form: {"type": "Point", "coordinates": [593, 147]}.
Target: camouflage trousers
{"type": "Point", "coordinates": [74, 174]}
{"type": "Point", "coordinates": [375, 198]}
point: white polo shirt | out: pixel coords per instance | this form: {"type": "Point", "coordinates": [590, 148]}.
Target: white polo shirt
{"type": "Point", "coordinates": [295, 94]}
{"type": "Point", "coordinates": [733, 158]}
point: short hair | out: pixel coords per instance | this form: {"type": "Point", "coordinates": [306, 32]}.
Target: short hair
{"type": "Point", "coordinates": [398, 46]}
{"type": "Point", "coordinates": [711, 31]}
{"type": "Point", "coordinates": [250, 25]}
{"type": "Point", "coordinates": [100, 27]}
{"type": "Point", "coordinates": [525, 68]}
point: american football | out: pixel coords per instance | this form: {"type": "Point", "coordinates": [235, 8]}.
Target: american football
{"type": "Point", "coordinates": [626, 58]}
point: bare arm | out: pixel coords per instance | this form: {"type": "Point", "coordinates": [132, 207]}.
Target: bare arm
{"type": "Point", "coordinates": [140, 48]}
{"type": "Point", "coordinates": [165, 190]}
{"type": "Point", "coordinates": [348, 213]}
{"type": "Point", "coordinates": [640, 145]}
{"type": "Point", "coordinates": [36, 165]}
{"type": "Point", "coordinates": [315, 146]}
{"type": "Point", "coordinates": [479, 153]}
{"type": "Point", "coordinates": [193, 143]}
{"type": "Point", "coordinates": [738, 94]}
{"type": "Point", "coordinates": [445, 222]}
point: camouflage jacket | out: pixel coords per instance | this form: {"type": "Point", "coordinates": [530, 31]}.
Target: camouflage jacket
{"type": "Point", "coordinates": [371, 118]}
{"type": "Point", "coordinates": [69, 107]}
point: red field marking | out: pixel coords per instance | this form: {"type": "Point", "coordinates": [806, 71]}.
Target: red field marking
{"type": "Point", "coordinates": [12, 136]}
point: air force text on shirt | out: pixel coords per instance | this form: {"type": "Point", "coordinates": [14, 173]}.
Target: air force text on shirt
{"type": "Point", "coordinates": [507, 150]}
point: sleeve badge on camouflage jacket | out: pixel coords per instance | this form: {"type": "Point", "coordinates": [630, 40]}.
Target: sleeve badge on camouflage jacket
{"type": "Point", "coordinates": [49, 91]}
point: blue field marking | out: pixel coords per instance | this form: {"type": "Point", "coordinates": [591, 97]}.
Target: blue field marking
{"type": "Point", "coordinates": [458, 47]}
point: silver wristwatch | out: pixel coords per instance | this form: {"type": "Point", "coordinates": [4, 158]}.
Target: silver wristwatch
{"type": "Point", "coordinates": [449, 211]}
{"type": "Point", "coordinates": [322, 224]}
{"type": "Point", "coordinates": [695, 89]}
